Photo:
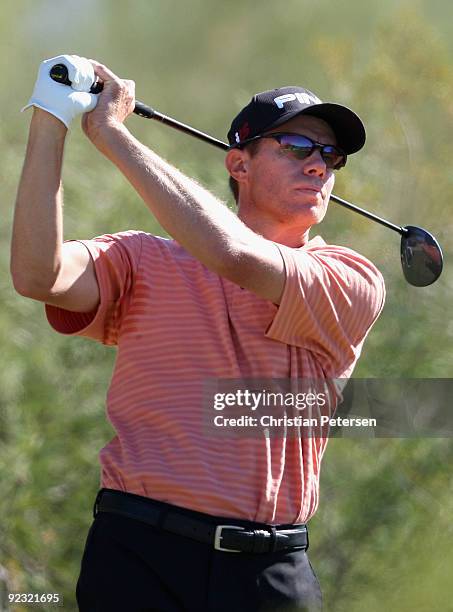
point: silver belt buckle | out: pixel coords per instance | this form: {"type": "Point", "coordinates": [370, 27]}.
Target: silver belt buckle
{"type": "Point", "coordinates": [218, 537]}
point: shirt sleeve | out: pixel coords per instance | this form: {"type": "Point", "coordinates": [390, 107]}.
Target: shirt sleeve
{"type": "Point", "coordinates": [331, 299]}
{"type": "Point", "coordinates": [116, 259]}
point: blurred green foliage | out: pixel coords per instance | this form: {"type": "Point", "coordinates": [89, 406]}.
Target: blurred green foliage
{"type": "Point", "coordinates": [381, 539]}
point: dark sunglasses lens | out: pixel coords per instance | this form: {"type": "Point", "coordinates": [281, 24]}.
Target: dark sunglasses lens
{"type": "Point", "coordinates": [301, 147]}
{"type": "Point", "coordinates": [333, 157]}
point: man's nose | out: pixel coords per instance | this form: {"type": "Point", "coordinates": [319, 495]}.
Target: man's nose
{"type": "Point", "coordinates": [315, 165]}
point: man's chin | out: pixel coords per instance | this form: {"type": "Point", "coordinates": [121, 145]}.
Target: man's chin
{"type": "Point", "coordinates": [311, 211]}
{"type": "Point", "coordinates": [303, 221]}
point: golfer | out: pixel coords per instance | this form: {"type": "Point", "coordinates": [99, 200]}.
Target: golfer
{"type": "Point", "coordinates": [186, 520]}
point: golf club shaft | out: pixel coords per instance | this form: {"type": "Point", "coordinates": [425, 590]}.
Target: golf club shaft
{"type": "Point", "coordinates": [401, 230]}
{"type": "Point", "coordinates": [59, 73]}
{"type": "Point", "coordinates": [149, 113]}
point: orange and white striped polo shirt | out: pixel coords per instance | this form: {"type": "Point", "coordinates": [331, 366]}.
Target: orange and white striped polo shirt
{"type": "Point", "coordinates": [176, 324]}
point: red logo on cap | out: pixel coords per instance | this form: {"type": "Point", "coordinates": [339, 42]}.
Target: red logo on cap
{"type": "Point", "coordinates": [244, 131]}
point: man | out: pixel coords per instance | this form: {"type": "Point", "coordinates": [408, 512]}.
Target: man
{"type": "Point", "coordinates": [186, 521]}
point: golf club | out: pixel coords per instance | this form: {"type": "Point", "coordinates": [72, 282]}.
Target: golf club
{"type": "Point", "coordinates": [421, 255]}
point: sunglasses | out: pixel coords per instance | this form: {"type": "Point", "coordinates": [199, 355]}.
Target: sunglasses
{"type": "Point", "coordinates": [300, 147]}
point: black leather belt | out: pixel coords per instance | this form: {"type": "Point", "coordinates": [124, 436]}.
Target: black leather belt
{"type": "Point", "coordinates": [243, 537]}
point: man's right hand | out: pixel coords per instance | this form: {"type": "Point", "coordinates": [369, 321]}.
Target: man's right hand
{"type": "Point", "coordinates": [116, 102]}
{"type": "Point", "coordinates": [63, 101]}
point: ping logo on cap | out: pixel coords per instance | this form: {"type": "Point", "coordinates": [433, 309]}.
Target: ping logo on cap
{"type": "Point", "coordinates": [303, 98]}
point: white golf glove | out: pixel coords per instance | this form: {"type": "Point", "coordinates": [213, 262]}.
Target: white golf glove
{"type": "Point", "coordinates": [63, 101]}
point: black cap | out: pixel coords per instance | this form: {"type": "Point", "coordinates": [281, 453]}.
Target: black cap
{"type": "Point", "coordinates": [270, 109]}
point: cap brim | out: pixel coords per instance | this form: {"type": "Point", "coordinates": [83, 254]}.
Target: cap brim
{"type": "Point", "coordinates": [347, 126]}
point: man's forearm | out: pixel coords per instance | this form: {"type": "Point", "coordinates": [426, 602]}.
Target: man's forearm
{"type": "Point", "coordinates": [38, 224]}
{"type": "Point", "coordinates": [187, 211]}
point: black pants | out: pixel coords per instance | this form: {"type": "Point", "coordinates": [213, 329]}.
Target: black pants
{"type": "Point", "coordinates": [129, 566]}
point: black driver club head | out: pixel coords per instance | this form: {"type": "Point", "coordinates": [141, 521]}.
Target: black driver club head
{"type": "Point", "coordinates": [421, 256]}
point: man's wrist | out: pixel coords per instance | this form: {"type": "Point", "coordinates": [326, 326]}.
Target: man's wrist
{"type": "Point", "coordinates": [110, 134]}
{"type": "Point", "coordinates": [45, 120]}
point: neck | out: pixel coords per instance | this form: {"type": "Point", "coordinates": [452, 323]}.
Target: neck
{"type": "Point", "coordinates": [274, 229]}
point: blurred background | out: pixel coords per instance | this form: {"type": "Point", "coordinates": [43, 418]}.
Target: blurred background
{"type": "Point", "coordinates": [382, 538]}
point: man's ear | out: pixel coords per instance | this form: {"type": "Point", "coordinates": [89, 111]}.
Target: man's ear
{"type": "Point", "coordinates": [236, 162]}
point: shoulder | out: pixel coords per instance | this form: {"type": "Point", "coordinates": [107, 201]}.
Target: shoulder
{"type": "Point", "coordinates": [129, 240]}
{"type": "Point", "coordinates": [348, 258]}
{"type": "Point", "coordinates": [343, 275]}
{"type": "Point", "coordinates": [167, 250]}
{"type": "Point", "coordinates": [136, 242]}
{"type": "Point", "coordinates": [332, 260]}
